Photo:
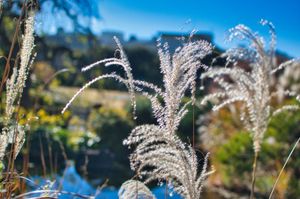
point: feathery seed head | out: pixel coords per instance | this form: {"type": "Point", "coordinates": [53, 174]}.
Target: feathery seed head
{"type": "Point", "coordinates": [253, 87]}
{"type": "Point", "coordinates": [157, 146]}
{"type": "Point", "coordinates": [14, 89]}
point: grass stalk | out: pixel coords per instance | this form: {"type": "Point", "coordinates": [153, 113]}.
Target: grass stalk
{"type": "Point", "coordinates": [254, 168]}
{"type": "Point", "coordinates": [282, 169]}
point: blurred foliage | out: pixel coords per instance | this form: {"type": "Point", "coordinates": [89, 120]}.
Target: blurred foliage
{"type": "Point", "coordinates": [185, 129]}
{"type": "Point", "coordinates": [232, 154]}
{"type": "Point", "coordinates": [106, 121]}
{"type": "Point", "coordinates": [144, 113]}
{"type": "Point", "coordinates": [236, 155]}
{"type": "Point", "coordinates": [112, 126]}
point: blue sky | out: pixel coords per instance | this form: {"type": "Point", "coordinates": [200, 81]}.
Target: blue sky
{"type": "Point", "coordinates": [144, 18]}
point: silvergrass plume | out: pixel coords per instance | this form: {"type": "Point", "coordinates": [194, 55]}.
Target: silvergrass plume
{"type": "Point", "coordinates": [291, 78]}
{"type": "Point", "coordinates": [141, 190]}
{"type": "Point", "coordinates": [159, 154]}
{"type": "Point", "coordinates": [253, 88]}
{"type": "Point", "coordinates": [158, 146]}
{"type": "Point", "coordinates": [14, 89]}
{"type": "Point", "coordinates": [123, 62]}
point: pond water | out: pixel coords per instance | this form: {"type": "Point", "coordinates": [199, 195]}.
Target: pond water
{"type": "Point", "coordinates": [74, 183]}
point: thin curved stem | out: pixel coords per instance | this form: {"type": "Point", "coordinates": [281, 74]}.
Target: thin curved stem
{"type": "Point", "coordinates": [166, 189]}
{"type": "Point", "coordinates": [137, 190]}
{"type": "Point", "coordinates": [274, 186]}
{"type": "Point", "coordinates": [254, 167]}
{"type": "Point", "coordinates": [193, 142]}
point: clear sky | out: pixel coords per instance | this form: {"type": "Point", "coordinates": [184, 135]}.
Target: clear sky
{"type": "Point", "coordinates": [144, 18]}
